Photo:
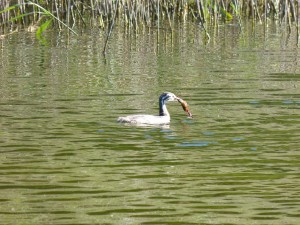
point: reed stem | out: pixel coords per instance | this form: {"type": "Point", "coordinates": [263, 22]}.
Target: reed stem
{"type": "Point", "coordinates": [135, 13]}
{"type": "Point", "coordinates": [111, 28]}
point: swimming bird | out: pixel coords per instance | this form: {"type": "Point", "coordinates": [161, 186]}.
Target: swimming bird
{"type": "Point", "coordinates": [162, 118]}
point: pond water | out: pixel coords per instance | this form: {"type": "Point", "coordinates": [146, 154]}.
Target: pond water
{"type": "Point", "coordinates": [65, 159]}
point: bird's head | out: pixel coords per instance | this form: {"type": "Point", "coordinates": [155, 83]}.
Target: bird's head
{"type": "Point", "coordinates": [168, 96]}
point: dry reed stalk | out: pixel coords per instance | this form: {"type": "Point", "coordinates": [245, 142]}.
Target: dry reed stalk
{"type": "Point", "coordinates": [135, 13]}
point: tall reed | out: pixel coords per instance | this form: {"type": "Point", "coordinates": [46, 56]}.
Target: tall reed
{"type": "Point", "coordinates": [134, 13]}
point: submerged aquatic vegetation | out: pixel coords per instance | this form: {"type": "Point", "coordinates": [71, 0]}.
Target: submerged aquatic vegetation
{"type": "Point", "coordinates": [40, 14]}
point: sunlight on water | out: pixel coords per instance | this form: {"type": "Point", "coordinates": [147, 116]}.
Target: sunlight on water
{"type": "Point", "coordinates": [65, 159]}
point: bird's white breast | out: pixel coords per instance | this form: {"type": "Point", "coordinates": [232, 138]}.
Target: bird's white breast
{"type": "Point", "coordinates": [145, 119]}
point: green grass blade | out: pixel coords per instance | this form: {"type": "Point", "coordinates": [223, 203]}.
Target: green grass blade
{"type": "Point", "coordinates": [227, 15]}
{"type": "Point", "coordinates": [19, 17]}
{"type": "Point", "coordinates": [42, 28]}
{"type": "Point", "coordinates": [9, 8]}
{"type": "Point", "coordinates": [47, 13]}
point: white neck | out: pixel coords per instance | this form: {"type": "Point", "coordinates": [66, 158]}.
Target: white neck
{"type": "Point", "coordinates": [164, 111]}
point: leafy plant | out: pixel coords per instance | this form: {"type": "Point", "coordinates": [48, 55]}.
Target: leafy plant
{"type": "Point", "coordinates": [49, 17]}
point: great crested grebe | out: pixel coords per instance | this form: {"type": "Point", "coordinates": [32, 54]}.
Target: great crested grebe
{"type": "Point", "coordinates": [162, 118]}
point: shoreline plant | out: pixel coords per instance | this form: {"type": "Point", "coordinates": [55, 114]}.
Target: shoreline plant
{"type": "Point", "coordinates": [39, 15]}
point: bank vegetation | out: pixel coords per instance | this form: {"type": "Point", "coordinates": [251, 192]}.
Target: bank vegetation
{"type": "Point", "coordinates": [39, 15]}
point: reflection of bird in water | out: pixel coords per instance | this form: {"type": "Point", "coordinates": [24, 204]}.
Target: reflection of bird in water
{"type": "Point", "coordinates": [162, 118]}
